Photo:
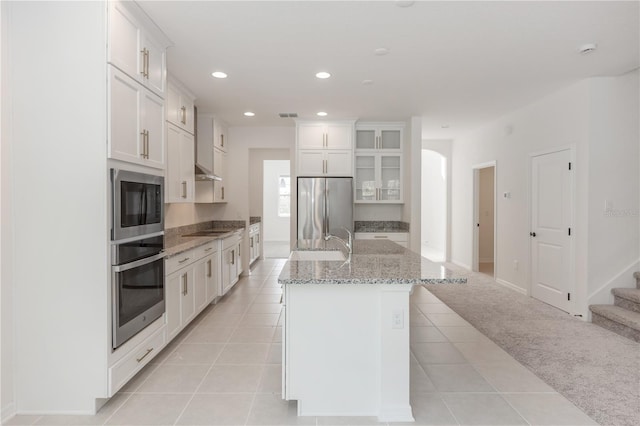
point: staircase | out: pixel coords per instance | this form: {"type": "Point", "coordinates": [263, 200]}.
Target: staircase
{"type": "Point", "coordinates": [623, 317]}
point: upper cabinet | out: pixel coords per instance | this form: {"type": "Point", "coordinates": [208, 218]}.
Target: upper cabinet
{"type": "Point", "coordinates": [136, 122]}
{"type": "Point", "coordinates": [324, 148]}
{"type": "Point", "coordinates": [137, 47]}
{"type": "Point", "coordinates": [220, 139]}
{"type": "Point", "coordinates": [378, 163]}
{"type": "Point", "coordinates": [179, 181]}
{"type": "Point", "coordinates": [379, 136]}
{"type": "Point", "coordinates": [180, 110]}
{"type": "Point", "coordinates": [320, 135]}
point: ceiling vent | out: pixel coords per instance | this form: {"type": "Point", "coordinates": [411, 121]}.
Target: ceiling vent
{"type": "Point", "coordinates": [288, 115]}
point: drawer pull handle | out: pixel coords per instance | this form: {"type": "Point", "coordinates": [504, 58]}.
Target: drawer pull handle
{"type": "Point", "coordinates": [380, 236]}
{"type": "Point", "coordinates": [183, 260]}
{"type": "Point", "coordinates": [145, 355]}
{"type": "Point", "coordinates": [208, 249]}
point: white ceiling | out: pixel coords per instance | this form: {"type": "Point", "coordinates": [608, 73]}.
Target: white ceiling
{"type": "Point", "coordinates": [459, 64]}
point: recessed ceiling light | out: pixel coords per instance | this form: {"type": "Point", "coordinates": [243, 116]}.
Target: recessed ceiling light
{"type": "Point", "coordinates": [381, 51]}
{"type": "Point", "coordinates": [587, 48]}
{"type": "Point", "coordinates": [322, 114]}
{"type": "Point", "coordinates": [367, 82]}
{"type": "Point", "coordinates": [404, 3]}
{"type": "Point", "coordinates": [249, 114]}
{"type": "Point", "coordinates": [323, 75]}
{"type": "Point", "coordinates": [219, 74]}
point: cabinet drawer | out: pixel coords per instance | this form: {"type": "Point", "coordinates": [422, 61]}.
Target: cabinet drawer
{"type": "Point", "coordinates": [130, 364]}
{"type": "Point", "coordinates": [180, 261]}
{"type": "Point", "coordinates": [393, 236]}
{"type": "Point", "coordinates": [206, 250]}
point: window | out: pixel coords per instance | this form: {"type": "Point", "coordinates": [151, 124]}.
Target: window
{"type": "Point", "coordinates": [284, 192]}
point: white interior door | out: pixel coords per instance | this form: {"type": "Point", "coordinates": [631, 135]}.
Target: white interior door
{"type": "Point", "coordinates": [551, 201]}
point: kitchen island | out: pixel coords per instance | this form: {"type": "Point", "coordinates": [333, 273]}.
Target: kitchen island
{"type": "Point", "coordinates": [346, 328]}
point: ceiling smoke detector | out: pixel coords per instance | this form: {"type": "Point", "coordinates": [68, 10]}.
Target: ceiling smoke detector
{"type": "Point", "coordinates": [587, 48]}
{"type": "Point", "coordinates": [288, 115]}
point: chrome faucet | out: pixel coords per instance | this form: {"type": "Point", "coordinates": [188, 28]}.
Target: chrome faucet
{"type": "Point", "coordinates": [348, 244]}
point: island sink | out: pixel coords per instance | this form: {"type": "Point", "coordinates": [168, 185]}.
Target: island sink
{"type": "Point", "coordinates": [318, 255]}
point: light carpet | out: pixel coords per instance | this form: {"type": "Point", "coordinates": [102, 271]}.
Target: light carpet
{"type": "Point", "coordinates": [596, 369]}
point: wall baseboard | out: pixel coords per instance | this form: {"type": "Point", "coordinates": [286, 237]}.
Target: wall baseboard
{"type": "Point", "coordinates": [486, 260]}
{"type": "Point", "coordinates": [511, 286]}
{"type": "Point", "coordinates": [7, 412]}
{"type": "Point", "coordinates": [624, 278]}
{"type": "Point", "coordinates": [460, 264]}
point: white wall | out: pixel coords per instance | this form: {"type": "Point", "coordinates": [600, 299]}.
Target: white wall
{"type": "Point", "coordinates": [444, 147]}
{"type": "Point", "coordinates": [434, 200]}
{"type": "Point", "coordinates": [257, 157]}
{"type": "Point", "coordinates": [613, 174]}
{"type": "Point", "coordinates": [180, 214]}
{"type": "Point", "coordinates": [593, 116]}
{"type": "Point", "coordinates": [412, 184]}
{"type": "Point", "coordinates": [274, 227]}
{"type": "Point", "coordinates": [7, 405]}
{"type": "Point", "coordinates": [486, 206]}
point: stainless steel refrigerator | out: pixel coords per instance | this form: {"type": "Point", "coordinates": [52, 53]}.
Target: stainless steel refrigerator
{"type": "Point", "coordinates": [325, 206]}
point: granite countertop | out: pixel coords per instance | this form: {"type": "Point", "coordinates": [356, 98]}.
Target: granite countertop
{"type": "Point", "coordinates": [180, 244]}
{"type": "Point", "coordinates": [372, 262]}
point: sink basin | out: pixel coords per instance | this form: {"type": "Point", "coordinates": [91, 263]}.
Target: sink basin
{"type": "Point", "coordinates": [317, 255]}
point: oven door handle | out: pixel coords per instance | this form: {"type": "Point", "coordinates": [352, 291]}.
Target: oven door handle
{"type": "Point", "coordinates": [138, 263]}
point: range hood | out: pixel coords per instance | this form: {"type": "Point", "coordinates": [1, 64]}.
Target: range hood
{"type": "Point", "coordinates": [203, 174]}
{"type": "Point", "coordinates": [204, 155]}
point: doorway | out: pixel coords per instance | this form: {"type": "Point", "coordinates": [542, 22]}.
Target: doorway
{"type": "Point", "coordinates": [484, 214]}
{"type": "Point", "coordinates": [550, 236]}
{"type": "Point", "coordinates": [433, 227]}
{"type": "Point", "coordinates": [276, 208]}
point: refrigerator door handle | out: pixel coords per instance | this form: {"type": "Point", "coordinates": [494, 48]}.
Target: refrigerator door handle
{"type": "Point", "coordinates": [326, 211]}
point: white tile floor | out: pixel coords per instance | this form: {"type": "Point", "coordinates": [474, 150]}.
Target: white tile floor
{"type": "Point", "coordinates": [225, 369]}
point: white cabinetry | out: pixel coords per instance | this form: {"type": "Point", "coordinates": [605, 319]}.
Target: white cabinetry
{"type": "Point", "coordinates": [134, 50]}
{"type": "Point", "coordinates": [191, 284]}
{"type": "Point", "coordinates": [136, 122]}
{"type": "Point", "coordinates": [231, 262]}
{"type": "Point", "coordinates": [180, 181]}
{"type": "Point", "coordinates": [324, 149]}
{"type": "Point", "coordinates": [378, 163]}
{"type": "Point", "coordinates": [212, 156]}
{"type": "Point", "coordinates": [180, 109]}
{"type": "Point", "coordinates": [401, 238]}
{"type": "Point", "coordinates": [254, 242]}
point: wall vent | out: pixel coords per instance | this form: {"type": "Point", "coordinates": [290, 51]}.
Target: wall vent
{"type": "Point", "coordinates": [288, 115]}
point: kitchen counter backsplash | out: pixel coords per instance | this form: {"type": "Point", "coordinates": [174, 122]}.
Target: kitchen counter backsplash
{"type": "Point", "coordinates": [171, 235]}
{"type": "Point", "coordinates": [380, 226]}
{"type": "Point", "coordinates": [254, 219]}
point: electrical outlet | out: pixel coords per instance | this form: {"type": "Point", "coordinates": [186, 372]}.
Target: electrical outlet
{"type": "Point", "coordinates": [397, 319]}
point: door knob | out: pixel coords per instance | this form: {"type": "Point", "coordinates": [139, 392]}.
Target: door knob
{"type": "Point", "coordinates": [533, 234]}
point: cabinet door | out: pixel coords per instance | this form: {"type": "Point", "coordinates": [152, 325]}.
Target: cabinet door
{"type": "Point", "coordinates": [125, 134]}
{"type": "Point", "coordinates": [220, 169]}
{"type": "Point", "coordinates": [225, 284]}
{"type": "Point", "coordinates": [220, 139]}
{"type": "Point", "coordinates": [311, 163]}
{"type": "Point", "coordinates": [173, 105]}
{"type": "Point", "coordinates": [366, 139]}
{"type": "Point", "coordinates": [200, 284]}
{"type": "Point", "coordinates": [153, 123]}
{"type": "Point", "coordinates": [258, 244]}
{"type": "Point", "coordinates": [390, 139]}
{"type": "Point", "coordinates": [239, 252]}
{"type": "Point", "coordinates": [365, 178]}
{"type": "Point", "coordinates": [212, 264]}
{"type": "Point", "coordinates": [390, 177]}
{"type": "Point", "coordinates": [173, 296]}
{"type": "Point", "coordinates": [180, 174]}
{"type": "Point", "coordinates": [124, 40]}
{"type": "Point", "coordinates": [155, 75]}
{"type": "Point", "coordinates": [338, 163]}
{"type": "Point", "coordinates": [187, 304]}
{"type": "Point", "coordinates": [311, 136]}
{"type": "Point", "coordinates": [338, 136]}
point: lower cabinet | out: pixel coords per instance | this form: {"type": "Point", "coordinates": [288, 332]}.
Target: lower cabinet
{"type": "Point", "coordinates": [254, 242]}
{"type": "Point", "coordinates": [191, 284]}
{"type": "Point", "coordinates": [401, 238]}
{"type": "Point", "coordinates": [231, 261]}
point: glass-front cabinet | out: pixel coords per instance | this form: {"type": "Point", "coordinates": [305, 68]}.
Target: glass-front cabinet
{"type": "Point", "coordinates": [378, 178]}
{"type": "Point", "coordinates": [378, 163]}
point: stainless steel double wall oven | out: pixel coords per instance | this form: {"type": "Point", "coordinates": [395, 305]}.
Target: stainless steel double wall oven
{"type": "Point", "coordinates": [137, 252]}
